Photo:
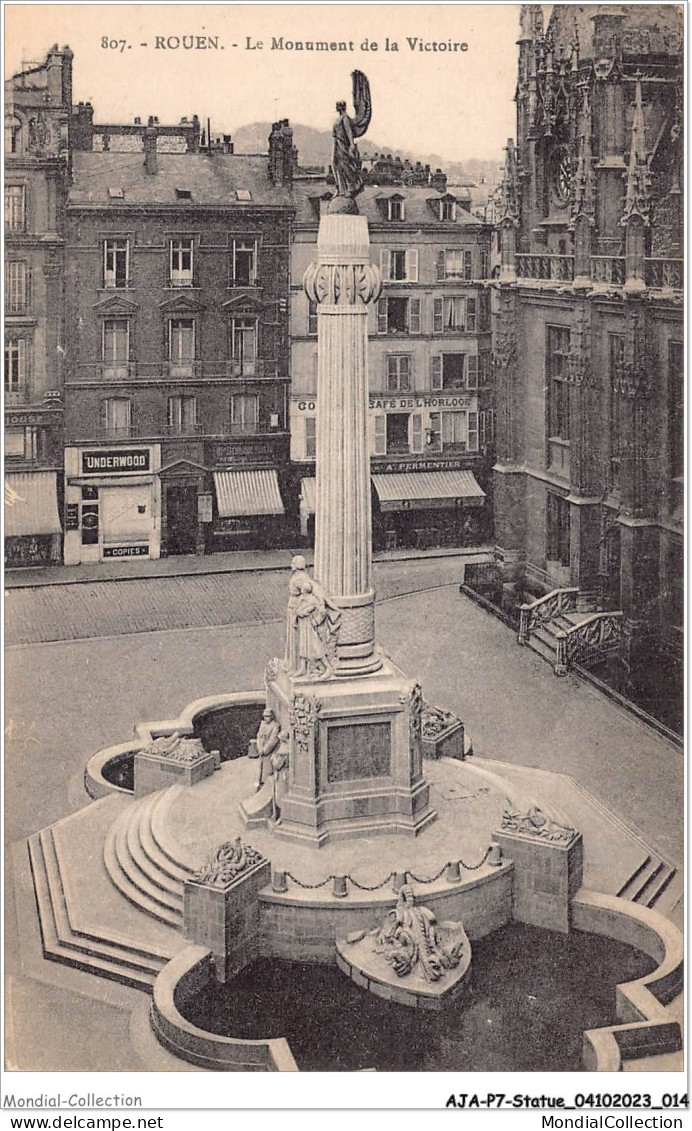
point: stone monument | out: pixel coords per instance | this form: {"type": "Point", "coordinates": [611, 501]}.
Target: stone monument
{"type": "Point", "coordinates": [354, 719]}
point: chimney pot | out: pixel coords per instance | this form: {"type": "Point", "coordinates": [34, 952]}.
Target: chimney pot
{"type": "Point", "coordinates": [150, 161]}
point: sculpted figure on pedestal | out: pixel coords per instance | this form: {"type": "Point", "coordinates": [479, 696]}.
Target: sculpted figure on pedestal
{"type": "Point", "coordinates": [411, 937]}
{"type": "Point", "coordinates": [266, 742]}
{"type": "Point", "coordinates": [346, 160]}
{"type": "Point", "coordinates": [312, 626]}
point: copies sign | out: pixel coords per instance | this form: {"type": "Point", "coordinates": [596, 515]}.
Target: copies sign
{"type": "Point", "coordinates": [126, 551]}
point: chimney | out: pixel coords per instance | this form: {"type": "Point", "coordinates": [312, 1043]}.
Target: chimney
{"type": "Point", "coordinates": [439, 181]}
{"type": "Point", "coordinates": [281, 153]}
{"type": "Point", "coordinates": [149, 139]}
{"type": "Point", "coordinates": [82, 126]}
{"type": "Point", "coordinates": [227, 143]}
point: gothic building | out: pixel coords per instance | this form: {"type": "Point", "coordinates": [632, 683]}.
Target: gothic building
{"type": "Point", "coordinates": [588, 339]}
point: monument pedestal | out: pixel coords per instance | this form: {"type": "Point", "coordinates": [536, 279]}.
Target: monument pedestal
{"type": "Point", "coordinates": [355, 766]}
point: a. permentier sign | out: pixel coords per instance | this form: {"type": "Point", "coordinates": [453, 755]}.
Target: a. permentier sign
{"type": "Point", "coordinates": [120, 459]}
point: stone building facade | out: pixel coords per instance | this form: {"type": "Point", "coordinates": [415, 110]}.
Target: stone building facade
{"type": "Point", "coordinates": [429, 355]}
{"type": "Point", "coordinates": [37, 115]}
{"type": "Point", "coordinates": [588, 340]}
{"type": "Point", "coordinates": [177, 365]}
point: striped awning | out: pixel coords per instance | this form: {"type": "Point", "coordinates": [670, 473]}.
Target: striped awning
{"type": "Point", "coordinates": [31, 504]}
{"type": "Point", "coordinates": [241, 493]}
{"type": "Point", "coordinates": [308, 491]}
{"type": "Point", "coordinates": [416, 488]}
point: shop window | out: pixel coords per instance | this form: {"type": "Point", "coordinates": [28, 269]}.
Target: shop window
{"type": "Point", "coordinates": [16, 287]}
{"type": "Point", "coordinates": [244, 412]}
{"type": "Point", "coordinates": [14, 444]}
{"type": "Point", "coordinates": [116, 257]}
{"type": "Point", "coordinates": [310, 437]}
{"type": "Point", "coordinates": [182, 414]}
{"type": "Point", "coordinates": [449, 315]}
{"type": "Point", "coordinates": [399, 264]}
{"type": "Point", "coordinates": [676, 410]}
{"type": "Point", "coordinates": [312, 318]}
{"type": "Point", "coordinates": [116, 416]}
{"type": "Point", "coordinates": [397, 432]}
{"type": "Point", "coordinates": [399, 316]}
{"type": "Point", "coordinates": [398, 373]}
{"type": "Point", "coordinates": [447, 371]}
{"type": "Point", "coordinates": [27, 444]}
{"type": "Point", "coordinates": [16, 357]}
{"type": "Point", "coordinates": [243, 265]}
{"type": "Point", "coordinates": [616, 362]}
{"type": "Point", "coordinates": [181, 262]}
{"type": "Point", "coordinates": [454, 263]}
{"type": "Point", "coordinates": [116, 347]}
{"type": "Point", "coordinates": [558, 389]}
{"type": "Point", "coordinates": [181, 347]}
{"type": "Point", "coordinates": [243, 345]}
{"type": "Point", "coordinates": [15, 208]}
{"type": "Point", "coordinates": [558, 535]}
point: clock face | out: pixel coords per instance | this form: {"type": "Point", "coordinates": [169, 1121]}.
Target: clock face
{"type": "Point", "coordinates": [561, 174]}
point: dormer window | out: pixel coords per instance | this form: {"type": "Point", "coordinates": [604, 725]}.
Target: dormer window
{"type": "Point", "coordinates": [395, 208]}
{"type": "Point", "coordinates": [448, 208]}
{"type": "Point", "coordinates": [183, 194]}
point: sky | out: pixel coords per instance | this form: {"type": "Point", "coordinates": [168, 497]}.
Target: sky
{"type": "Point", "coordinates": [456, 103]}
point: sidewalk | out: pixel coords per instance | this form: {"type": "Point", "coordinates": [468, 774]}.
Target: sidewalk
{"type": "Point", "coordinates": [188, 565]}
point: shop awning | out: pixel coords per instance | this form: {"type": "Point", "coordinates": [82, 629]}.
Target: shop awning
{"type": "Point", "coordinates": [419, 488]}
{"type": "Point", "coordinates": [308, 494]}
{"type": "Point", "coordinates": [240, 493]}
{"type": "Point", "coordinates": [31, 504]}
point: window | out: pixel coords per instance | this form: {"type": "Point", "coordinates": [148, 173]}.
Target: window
{"type": "Point", "coordinates": [471, 371]}
{"type": "Point", "coordinates": [181, 346]}
{"type": "Point", "coordinates": [182, 414]}
{"type": "Point", "coordinates": [398, 316]}
{"type": "Point", "coordinates": [245, 412]}
{"type": "Point", "coordinates": [395, 209]}
{"type": "Point", "coordinates": [13, 135]}
{"type": "Point", "coordinates": [558, 389]}
{"type": "Point", "coordinates": [399, 264]}
{"type": "Point", "coordinates": [434, 439]}
{"type": "Point", "coordinates": [115, 263]}
{"type": "Point", "coordinates": [484, 368]}
{"type": "Point", "coordinates": [183, 194]}
{"type": "Point", "coordinates": [15, 365]}
{"type": "Point", "coordinates": [471, 315]}
{"type": "Point", "coordinates": [454, 430]}
{"type": "Point", "coordinates": [312, 317]}
{"type": "Point", "coordinates": [181, 262]}
{"type": "Point", "coordinates": [676, 410]}
{"type": "Point", "coordinates": [15, 207]}
{"type": "Point", "coordinates": [398, 373]}
{"type": "Point", "coordinates": [116, 416]}
{"type": "Point", "coordinates": [449, 315]}
{"type": "Point", "coordinates": [244, 345]}
{"type": "Point", "coordinates": [616, 361]}
{"type": "Point", "coordinates": [454, 263]}
{"type": "Point", "coordinates": [558, 530]}
{"type": "Point", "coordinates": [473, 432]}
{"type": "Point", "coordinates": [243, 263]}
{"type": "Point", "coordinates": [380, 436]}
{"type": "Point", "coordinates": [448, 209]}
{"type": "Point", "coordinates": [397, 433]}
{"type": "Point", "coordinates": [116, 346]}
{"type": "Point", "coordinates": [16, 287]}
{"type": "Point", "coordinates": [14, 444]}
{"type": "Point", "coordinates": [485, 264]}
{"type": "Point", "coordinates": [448, 371]}
{"type": "Point", "coordinates": [310, 437]}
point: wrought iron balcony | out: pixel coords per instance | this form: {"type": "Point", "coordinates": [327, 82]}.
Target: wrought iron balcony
{"type": "Point", "coordinates": [176, 371]}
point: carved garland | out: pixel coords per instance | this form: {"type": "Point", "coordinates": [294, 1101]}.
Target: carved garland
{"type": "Point", "coordinates": [342, 284]}
{"type": "Point", "coordinates": [303, 716]}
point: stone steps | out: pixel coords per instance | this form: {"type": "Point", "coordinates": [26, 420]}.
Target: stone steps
{"type": "Point", "coordinates": [654, 883]}
{"type": "Point", "coordinates": [105, 956]}
{"type": "Point", "coordinates": [140, 868]}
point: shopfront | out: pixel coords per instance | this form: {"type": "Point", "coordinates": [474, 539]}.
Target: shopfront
{"type": "Point", "coordinates": [112, 503]}
{"type": "Point", "coordinates": [249, 510]}
{"type": "Point", "coordinates": [33, 533]}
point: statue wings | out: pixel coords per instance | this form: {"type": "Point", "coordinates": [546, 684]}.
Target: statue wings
{"type": "Point", "coordinates": [362, 104]}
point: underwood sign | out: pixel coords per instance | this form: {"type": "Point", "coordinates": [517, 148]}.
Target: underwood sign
{"type": "Point", "coordinates": [122, 459]}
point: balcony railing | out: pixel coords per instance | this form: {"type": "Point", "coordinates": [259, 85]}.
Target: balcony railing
{"type": "Point", "coordinates": [256, 428]}
{"type": "Point", "coordinates": [590, 642]}
{"type": "Point", "coordinates": [608, 269]}
{"type": "Point", "coordinates": [554, 268]}
{"type": "Point", "coordinates": [184, 430]}
{"type": "Point", "coordinates": [229, 370]}
{"type": "Point", "coordinates": [543, 609]}
{"type": "Point", "coordinates": [667, 274]}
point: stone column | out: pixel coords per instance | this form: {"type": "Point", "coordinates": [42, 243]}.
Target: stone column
{"type": "Point", "coordinates": [341, 283]}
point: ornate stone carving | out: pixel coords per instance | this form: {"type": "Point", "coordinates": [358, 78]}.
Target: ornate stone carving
{"type": "Point", "coordinates": [633, 377]}
{"type": "Point", "coordinates": [303, 715]}
{"type": "Point", "coordinates": [415, 713]}
{"type": "Point", "coordinates": [508, 210]}
{"type": "Point", "coordinates": [638, 192]}
{"type": "Point", "coordinates": [175, 748]}
{"type": "Point", "coordinates": [411, 939]}
{"type": "Point", "coordinates": [584, 185]}
{"type": "Point", "coordinates": [271, 671]}
{"type": "Point", "coordinates": [434, 721]}
{"type": "Point", "coordinates": [505, 351]}
{"type": "Point", "coordinates": [579, 356]}
{"type": "Point", "coordinates": [534, 823]}
{"type": "Point", "coordinates": [342, 284]}
{"type": "Point", "coordinates": [226, 863]}
{"type": "Point", "coordinates": [312, 626]}
{"type": "Point", "coordinates": [346, 161]}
